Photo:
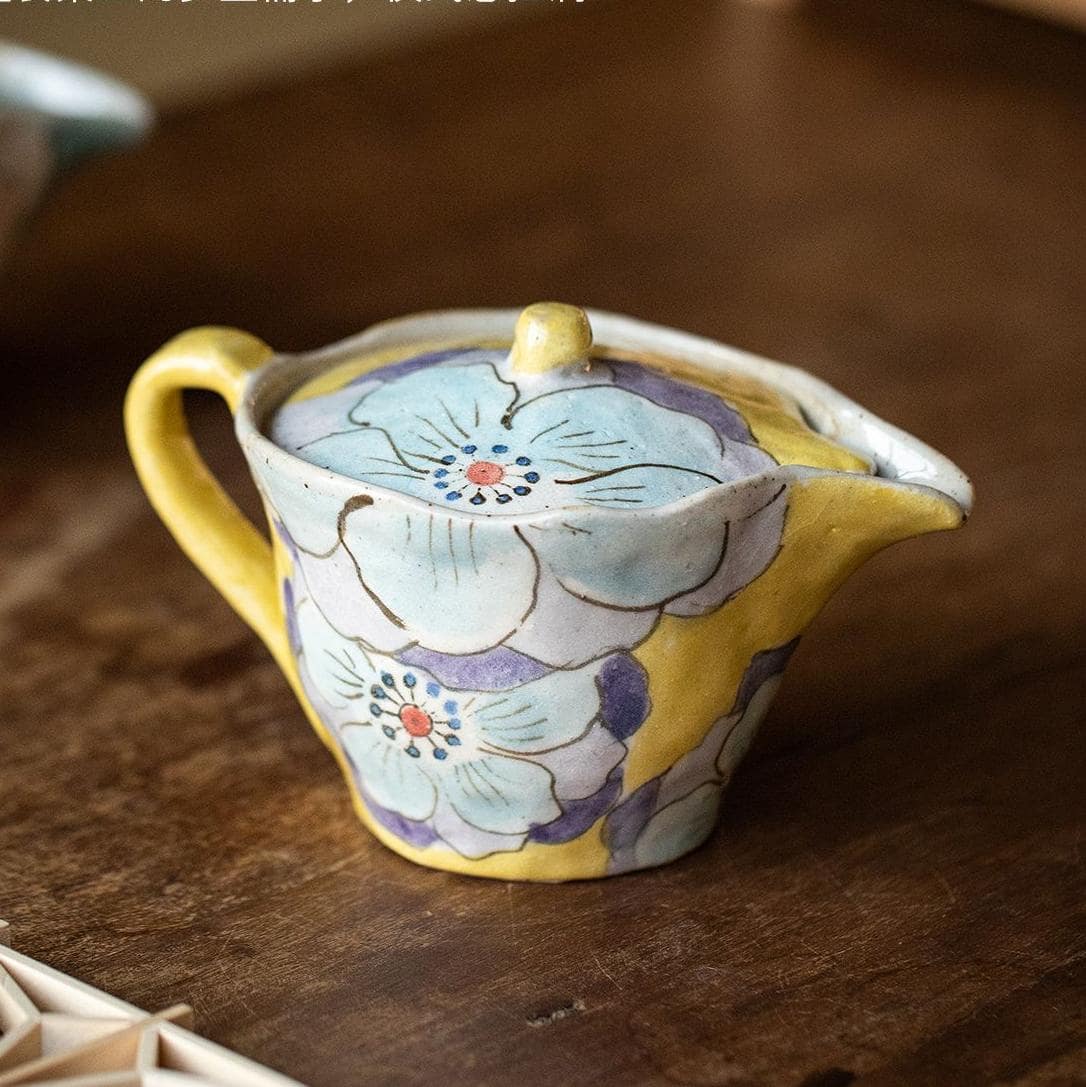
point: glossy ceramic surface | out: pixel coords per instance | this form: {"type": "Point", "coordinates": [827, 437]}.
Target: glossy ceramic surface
{"type": "Point", "coordinates": [535, 593]}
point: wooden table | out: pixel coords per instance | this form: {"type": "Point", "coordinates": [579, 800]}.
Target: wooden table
{"type": "Point", "coordinates": [889, 194]}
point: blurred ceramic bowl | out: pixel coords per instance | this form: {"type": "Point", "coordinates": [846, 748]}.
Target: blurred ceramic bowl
{"type": "Point", "coordinates": [52, 114]}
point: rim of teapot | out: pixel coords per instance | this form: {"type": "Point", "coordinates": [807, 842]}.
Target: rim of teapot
{"type": "Point", "coordinates": [897, 457]}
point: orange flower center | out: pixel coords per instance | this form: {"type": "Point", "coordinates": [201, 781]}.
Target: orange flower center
{"type": "Point", "coordinates": [416, 721]}
{"type": "Point", "coordinates": [485, 473]}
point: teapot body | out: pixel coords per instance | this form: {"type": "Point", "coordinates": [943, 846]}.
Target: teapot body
{"type": "Point", "coordinates": [524, 667]}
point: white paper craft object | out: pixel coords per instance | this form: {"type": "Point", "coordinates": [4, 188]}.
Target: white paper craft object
{"type": "Point", "coordinates": [58, 1032]}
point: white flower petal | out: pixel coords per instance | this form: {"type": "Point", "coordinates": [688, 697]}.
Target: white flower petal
{"type": "Point", "coordinates": [387, 773]}
{"type": "Point", "coordinates": [499, 794]}
{"type": "Point", "coordinates": [715, 758]}
{"type": "Point", "coordinates": [739, 739]}
{"type": "Point", "coordinates": [611, 558]}
{"type": "Point", "coordinates": [581, 768]}
{"type": "Point", "coordinates": [753, 543]}
{"type": "Point", "coordinates": [623, 562]}
{"type": "Point", "coordinates": [456, 585]}
{"type": "Point", "coordinates": [308, 513]}
{"type": "Point", "coordinates": [696, 767]}
{"type": "Point", "coordinates": [305, 424]}
{"type": "Point", "coordinates": [470, 841]}
{"type": "Point", "coordinates": [338, 668]}
{"type": "Point", "coordinates": [334, 586]}
{"type": "Point", "coordinates": [564, 630]}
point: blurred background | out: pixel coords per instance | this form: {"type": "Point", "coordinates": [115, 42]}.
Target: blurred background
{"type": "Point", "coordinates": [796, 165]}
{"type": "Point", "coordinates": [182, 52]}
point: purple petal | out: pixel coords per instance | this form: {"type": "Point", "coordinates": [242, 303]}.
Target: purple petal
{"type": "Point", "coordinates": [762, 665]}
{"type": "Point", "coordinates": [628, 820]}
{"type": "Point", "coordinates": [294, 635]}
{"type": "Point", "coordinates": [492, 670]}
{"type": "Point", "coordinates": [624, 695]}
{"type": "Point", "coordinates": [578, 815]}
{"type": "Point", "coordinates": [409, 366]}
{"type": "Point", "coordinates": [668, 393]}
{"type": "Point", "coordinates": [411, 831]}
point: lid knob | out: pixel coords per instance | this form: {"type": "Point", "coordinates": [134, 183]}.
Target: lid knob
{"type": "Point", "coordinates": [548, 335]}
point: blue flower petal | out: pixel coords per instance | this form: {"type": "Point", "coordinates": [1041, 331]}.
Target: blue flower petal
{"type": "Point", "coordinates": [389, 774]}
{"type": "Point", "coordinates": [501, 795]}
{"type": "Point", "coordinates": [539, 716]}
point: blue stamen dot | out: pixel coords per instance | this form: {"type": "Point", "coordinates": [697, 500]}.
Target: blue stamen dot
{"type": "Point", "coordinates": [441, 485]}
{"type": "Point", "coordinates": [378, 692]}
{"type": "Point", "coordinates": [522, 490]}
{"type": "Point", "coordinates": [454, 722]}
{"type": "Point", "coordinates": [522, 461]}
{"type": "Point", "coordinates": [452, 496]}
{"type": "Point", "coordinates": [450, 706]}
{"type": "Point", "coordinates": [387, 680]}
{"type": "Point", "coordinates": [499, 449]}
{"type": "Point", "coordinates": [440, 753]}
{"type": "Point", "coordinates": [448, 459]}
{"type": "Point", "coordinates": [468, 448]}
{"type": "Point", "coordinates": [413, 751]}
{"type": "Point", "coordinates": [375, 709]}
{"type": "Point", "coordinates": [532, 477]}
{"type": "Point", "coordinates": [433, 689]}
{"type": "Point", "coordinates": [409, 679]}
{"type": "Point", "coordinates": [453, 741]}
{"type": "Point", "coordinates": [388, 730]}
{"type": "Point", "coordinates": [477, 500]}
{"type": "Point", "coordinates": [503, 498]}
{"type": "Point", "coordinates": [441, 473]}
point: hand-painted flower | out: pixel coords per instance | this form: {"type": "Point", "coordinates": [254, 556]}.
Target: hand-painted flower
{"type": "Point", "coordinates": [479, 770]}
{"type": "Point", "coordinates": [523, 531]}
{"type": "Point", "coordinates": [674, 812]}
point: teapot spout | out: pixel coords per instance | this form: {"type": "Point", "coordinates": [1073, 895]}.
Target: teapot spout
{"type": "Point", "coordinates": [835, 521]}
{"type": "Point", "coordinates": [912, 491]}
{"type": "Point", "coordinates": [849, 517]}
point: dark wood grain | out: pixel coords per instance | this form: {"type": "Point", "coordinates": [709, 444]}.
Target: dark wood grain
{"type": "Point", "coordinates": [888, 194]}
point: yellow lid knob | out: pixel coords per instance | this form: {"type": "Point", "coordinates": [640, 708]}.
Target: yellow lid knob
{"type": "Point", "coordinates": [548, 335]}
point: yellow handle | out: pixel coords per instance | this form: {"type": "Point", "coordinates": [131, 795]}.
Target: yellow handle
{"type": "Point", "coordinates": [223, 543]}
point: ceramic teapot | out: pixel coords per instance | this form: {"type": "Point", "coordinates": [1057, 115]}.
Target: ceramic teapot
{"type": "Point", "coordinates": [534, 577]}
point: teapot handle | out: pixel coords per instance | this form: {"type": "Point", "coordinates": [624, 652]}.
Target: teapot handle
{"type": "Point", "coordinates": [223, 543]}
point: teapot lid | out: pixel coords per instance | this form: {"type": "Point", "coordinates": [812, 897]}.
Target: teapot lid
{"type": "Point", "coordinates": [547, 422]}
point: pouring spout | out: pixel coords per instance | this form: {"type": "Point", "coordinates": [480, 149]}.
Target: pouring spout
{"type": "Point", "coordinates": [919, 474]}
{"type": "Point", "coordinates": [912, 491]}
{"type": "Point", "coordinates": [936, 490]}
{"type": "Point", "coordinates": [848, 517]}
{"type": "Point", "coordinates": [836, 520]}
